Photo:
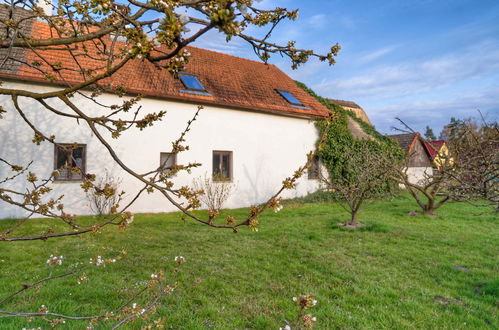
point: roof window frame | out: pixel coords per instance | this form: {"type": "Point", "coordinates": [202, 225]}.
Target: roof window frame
{"type": "Point", "coordinates": [283, 92]}
{"type": "Point", "coordinates": [181, 74]}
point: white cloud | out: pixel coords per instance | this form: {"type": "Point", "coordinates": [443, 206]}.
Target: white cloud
{"type": "Point", "coordinates": [435, 112]}
{"type": "Point", "coordinates": [375, 54]}
{"type": "Point", "coordinates": [216, 41]}
{"type": "Point", "coordinates": [412, 77]}
{"type": "Point", "coordinates": [318, 21]}
{"type": "Point", "coordinates": [346, 22]}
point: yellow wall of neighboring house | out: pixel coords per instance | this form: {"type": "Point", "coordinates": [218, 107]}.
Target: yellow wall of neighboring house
{"type": "Point", "coordinates": [443, 157]}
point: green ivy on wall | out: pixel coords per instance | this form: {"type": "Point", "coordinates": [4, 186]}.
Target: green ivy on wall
{"type": "Point", "coordinates": [338, 138]}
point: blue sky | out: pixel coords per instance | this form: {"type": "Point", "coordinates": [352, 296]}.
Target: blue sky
{"type": "Point", "coordinates": [423, 61]}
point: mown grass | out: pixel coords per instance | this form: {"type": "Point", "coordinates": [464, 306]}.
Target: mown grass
{"type": "Point", "coordinates": [397, 272]}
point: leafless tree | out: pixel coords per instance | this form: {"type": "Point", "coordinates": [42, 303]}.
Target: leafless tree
{"type": "Point", "coordinates": [474, 149]}
{"type": "Point", "coordinates": [105, 195]}
{"type": "Point", "coordinates": [429, 188]}
{"type": "Point", "coordinates": [429, 191]}
{"type": "Point", "coordinates": [467, 172]}
{"type": "Point", "coordinates": [365, 177]}
{"type": "Point", "coordinates": [213, 193]}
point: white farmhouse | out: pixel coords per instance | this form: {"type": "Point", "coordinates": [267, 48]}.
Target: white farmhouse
{"type": "Point", "coordinates": [255, 129]}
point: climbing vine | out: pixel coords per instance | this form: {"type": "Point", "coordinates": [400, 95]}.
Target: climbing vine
{"type": "Point", "coordinates": [339, 142]}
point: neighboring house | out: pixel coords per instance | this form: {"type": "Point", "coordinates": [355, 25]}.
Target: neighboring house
{"type": "Point", "coordinates": [353, 125]}
{"type": "Point", "coordinates": [354, 107]}
{"type": "Point", "coordinates": [419, 164]}
{"type": "Point", "coordinates": [255, 129]}
{"type": "Point", "coordinates": [439, 153]}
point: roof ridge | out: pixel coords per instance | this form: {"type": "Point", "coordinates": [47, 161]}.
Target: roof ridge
{"type": "Point", "coordinates": [400, 134]}
{"type": "Point", "coordinates": [233, 90]}
{"type": "Point", "coordinates": [188, 46]}
{"type": "Point", "coordinates": [235, 56]}
{"type": "Point", "coordinates": [344, 101]}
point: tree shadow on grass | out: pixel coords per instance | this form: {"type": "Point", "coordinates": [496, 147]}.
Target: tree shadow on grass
{"type": "Point", "coordinates": [487, 288]}
{"type": "Point", "coordinates": [366, 226]}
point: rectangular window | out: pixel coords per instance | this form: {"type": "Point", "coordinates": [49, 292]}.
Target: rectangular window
{"type": "Point", "coordinates": [70, 160]}
{"type": "Point", "coordinates": [289, 97]}
{"type": "Point", "coordinates": [167, 160]}
{"type": "Point", "coordinates": [314, 170]}
{"type": "Point", "coordinates": [222, 166]}
{"type": "Point", "coordinates": [191, 82]}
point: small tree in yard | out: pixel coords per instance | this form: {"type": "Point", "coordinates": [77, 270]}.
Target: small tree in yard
{"type": "Point", "coordinates": [104, 197]}
{"type": "Point", "coordinates": [213, 194]}
{"type": "Point", "coordinates": [475, 154]}
{"type": "Point", "coordinates": [429, 192]}
{"type": "Point", "coordinates": [364, 177]}
{"type": "Point", "coordinates": [469, 172]}
{"type": "Point", "coordinates": [356, 166]}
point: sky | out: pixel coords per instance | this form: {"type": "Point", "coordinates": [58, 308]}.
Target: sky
{"type": "Point", "coordinates": [423, 61]}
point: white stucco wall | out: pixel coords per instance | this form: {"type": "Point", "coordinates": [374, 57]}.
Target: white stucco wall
{"type": "Point", "coordinates": [266, 149]}
{"type": "Point", "coordinates": [418, 175]}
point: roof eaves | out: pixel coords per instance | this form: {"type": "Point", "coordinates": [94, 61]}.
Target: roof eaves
{"type": "Point", "coordinates": [416, 137]}
{"type": "Point", "coordinates": [204, 100]}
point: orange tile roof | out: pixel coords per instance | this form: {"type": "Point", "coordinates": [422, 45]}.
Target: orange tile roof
{"type": "Point", "coordinates": [232, 81]}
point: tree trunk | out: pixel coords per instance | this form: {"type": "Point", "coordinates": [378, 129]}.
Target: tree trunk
{"type": "Point", "coordinates": [428, 211]}
{"type": "Point", "coordinates": [430, 207]}
{"type": "Point", "coordinates": [353, 219]}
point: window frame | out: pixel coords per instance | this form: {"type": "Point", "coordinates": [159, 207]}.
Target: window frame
{"type": "Point", "coordinates": [181, 74]}
{"type": "Point", "coordinates": [83, 168]}
{"type": "Point", "coordinates": [314, 174]}
{"type": "Point", "coordinates": [231, 165]}
{"type": "Point", "coordinates": [164, 169]}
{"type": "Point", "coordinates": [282, 91]}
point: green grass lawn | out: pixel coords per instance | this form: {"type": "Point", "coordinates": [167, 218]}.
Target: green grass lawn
{"type": "Point", "coordinates": [398, 272]}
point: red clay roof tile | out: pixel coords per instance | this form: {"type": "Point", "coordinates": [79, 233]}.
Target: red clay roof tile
{"type": "Point", "coordinates": [231, 81]}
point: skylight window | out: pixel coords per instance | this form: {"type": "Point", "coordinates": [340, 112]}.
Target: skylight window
{"type": "Point", "coordinates": [289, 97]}
{"type": "Point", "coordinates": [191, 82]}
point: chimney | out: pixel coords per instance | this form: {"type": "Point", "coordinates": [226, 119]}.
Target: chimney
{"type": "Point", "coordinates": [46, 5]}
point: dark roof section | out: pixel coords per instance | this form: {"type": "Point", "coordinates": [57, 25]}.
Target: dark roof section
{"type": "Point", "coordinates": [9, 12]}
{"type": "Point", "coordinates": [343, 103]}
{"type": "Point", "coordinates": [406, 141]}
{"type": "Point", "coordinates": [228, 80]}
{"type": "Point", "coordinates": [433, 147]}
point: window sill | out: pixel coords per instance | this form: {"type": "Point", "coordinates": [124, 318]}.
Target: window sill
{"type": "Point", "coordinates": [188, 91]}
{"type": "Point", "coordinates": [300, 107]}
{"type": "Point", "coordinates": [222, 181]}
{"type": "Point", "coordinates": [67, 181]}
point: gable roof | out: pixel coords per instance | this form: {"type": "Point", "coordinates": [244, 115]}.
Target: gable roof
{"type": "Point", "coordinates": [413, 146]}
{"type": "Point", "coordinates": [343, 103]}
{"type": "Point", "coordinates": [354, 107]}
{"type": "Point", "coordinates": [433, 147]}
{"type": "Point", "coordinates": [406, 141]}
{"type": "Point", "coordinates": [231, 81]}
